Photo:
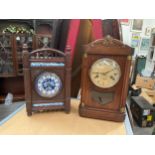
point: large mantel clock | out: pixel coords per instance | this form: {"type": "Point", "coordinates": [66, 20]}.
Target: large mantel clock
{"type": "Point", "coordinates": [47, 79]}
{"type": "Point", "coordinates": [105, 78]}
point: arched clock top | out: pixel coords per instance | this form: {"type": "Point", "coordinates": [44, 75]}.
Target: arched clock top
{"type": "Point", "coordinates": [47, 55]}
{"type": "Point", "coordinates": [47, 74]}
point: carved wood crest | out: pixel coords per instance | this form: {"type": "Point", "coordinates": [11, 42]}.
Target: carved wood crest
{"type": "Point", "coordinates": [108, 41]}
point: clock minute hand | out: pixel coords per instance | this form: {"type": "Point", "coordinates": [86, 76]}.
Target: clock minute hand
{"type": "Point", "coordinates": [105, 73]}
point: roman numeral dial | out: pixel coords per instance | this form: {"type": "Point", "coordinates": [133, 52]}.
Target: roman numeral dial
{"type": "Point", "coordinates": [105, 73]}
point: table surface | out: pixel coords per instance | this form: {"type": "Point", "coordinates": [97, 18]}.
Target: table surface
{"type": "Point", "coordinates": [58, 123]}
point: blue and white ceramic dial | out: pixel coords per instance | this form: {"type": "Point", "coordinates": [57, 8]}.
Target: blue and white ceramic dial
{"type": "Point", "coordinates": [48, 84]}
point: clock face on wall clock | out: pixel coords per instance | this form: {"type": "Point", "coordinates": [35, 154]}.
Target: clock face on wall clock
{"type": "Point", "coordinates": [48, 84]}
{"type": "Point", "coordinates": [105, 73]}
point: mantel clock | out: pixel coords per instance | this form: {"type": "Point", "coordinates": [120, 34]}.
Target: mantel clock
{"type": "Point", "coordinates": [47, 79]}
{"type": "Point", "coordinates": [105, 78]}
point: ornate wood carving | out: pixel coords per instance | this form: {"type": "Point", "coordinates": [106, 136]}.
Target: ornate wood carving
{"type": "Point", "coordinates": [108, 41]}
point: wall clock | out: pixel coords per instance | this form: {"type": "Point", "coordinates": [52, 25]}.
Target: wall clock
{"type": "Point", "coordinates": [105, 77]}
{"type": "Point", "coordinates": [47, 79]}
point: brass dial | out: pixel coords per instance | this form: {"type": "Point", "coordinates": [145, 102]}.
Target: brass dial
{"type": "Point", "coordinates": [105, 73]}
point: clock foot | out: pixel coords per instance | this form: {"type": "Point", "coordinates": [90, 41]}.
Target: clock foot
{"type": "Point", "coordinates": [29, 113]}
{"type": "Point", "coordinates": [67, 111]}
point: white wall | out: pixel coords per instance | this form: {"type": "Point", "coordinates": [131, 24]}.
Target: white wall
{"type": "Point", "coordinates": [127, 34]}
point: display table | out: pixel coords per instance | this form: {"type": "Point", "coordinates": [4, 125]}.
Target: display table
{"type": "Point", "coordinates": [58, 122]}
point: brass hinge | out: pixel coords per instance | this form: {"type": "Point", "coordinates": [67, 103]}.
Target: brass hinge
{"type": "Point", "coordinates": [122, 109]}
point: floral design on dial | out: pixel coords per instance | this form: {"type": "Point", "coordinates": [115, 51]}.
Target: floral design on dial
{"type": "Point", "coordinates": [48, 84]}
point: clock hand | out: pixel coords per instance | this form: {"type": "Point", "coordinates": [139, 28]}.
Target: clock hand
{"type": "Point", "coordinates": [112, 78]}
{"type": "Point", "coordinates": [105, 73]}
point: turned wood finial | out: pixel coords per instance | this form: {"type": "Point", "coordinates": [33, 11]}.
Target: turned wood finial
{"type": "Point", "coordinates": [25, 56]}
{"type": "Point", "coordinates": [68, 55]}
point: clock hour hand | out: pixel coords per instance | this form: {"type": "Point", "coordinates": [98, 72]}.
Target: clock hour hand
{"type": "Point", "coordinates": [97, 73]}
{"type": "Point", "coordinates": [105, 73]}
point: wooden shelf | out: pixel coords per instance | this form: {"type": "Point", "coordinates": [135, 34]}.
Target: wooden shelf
{"type": "Point", "coordinates": [7, 75]}
{"type": "Point", "coordinates": [16, 97]}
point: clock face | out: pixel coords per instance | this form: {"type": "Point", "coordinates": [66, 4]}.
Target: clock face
{"type": "Point", "coordinates": [105, 73]}
{"type": "Point", "coordinates": [48, 84]}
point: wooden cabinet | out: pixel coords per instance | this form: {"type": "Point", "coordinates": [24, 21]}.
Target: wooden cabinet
{"type": "Point", "coordinates": [11, 53]}
{"type": "Point", "coordinates": [19, 40]}
{"type": "Point", "coordinates": [7, 56]}
{"type": "Point", "coordinates": [11, 65]}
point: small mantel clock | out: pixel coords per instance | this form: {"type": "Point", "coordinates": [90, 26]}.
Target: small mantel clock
{"type": "Point", "coordinates": [105, 78]}
{"type": "Point", "coordinates": [46, 79]}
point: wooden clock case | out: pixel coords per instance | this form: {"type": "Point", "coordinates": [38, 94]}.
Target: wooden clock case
{"type": "Point", "coordinates": [114, 109]}
{"type": "Point", "coordinates": [46, 55]}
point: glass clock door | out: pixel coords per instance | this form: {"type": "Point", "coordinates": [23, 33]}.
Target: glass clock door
{"type": "Point", "coordinates": [7, 56]}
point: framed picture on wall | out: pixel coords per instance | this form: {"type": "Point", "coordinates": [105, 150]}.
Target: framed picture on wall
{"type": "Point", "coordinates": [148, 31]}
{"type": "Point", "coordinates": [153, 30]}
{"type": "Point", "coordinates": [144, 44]}
{"type": "Point", "coordinates": [137, 25]}
{"type": "Point", "coordinates": [135, 40]}
{"type": "Point", "coordinates": [124, 21]}
{"type": "Point", "coordinates": [153, 39]}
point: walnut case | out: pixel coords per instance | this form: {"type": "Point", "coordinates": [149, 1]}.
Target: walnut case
{"type": "Point", "coordinates": [114, 98]}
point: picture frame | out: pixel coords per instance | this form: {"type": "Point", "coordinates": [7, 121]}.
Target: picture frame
{"type": "Point", "coordinates": [135, 40]}
{"type": "Point", "coordinates": [124, 21]}
{"type": "Point", "coordinates": [153, 39]}
{"type": "Point", "coordinates": [153, 30]}
{"type": "Point", "coordinates": [137, 25]}
{"type": "Point", "coordinates": [145, 43]}
{"type": "Point", "coordinates": [148, 31]}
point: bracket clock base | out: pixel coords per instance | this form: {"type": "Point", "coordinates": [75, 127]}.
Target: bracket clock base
{"type": "Point", "coordinates": [66, 110]}
{"type": "Point", "coordinates": [101, 114]}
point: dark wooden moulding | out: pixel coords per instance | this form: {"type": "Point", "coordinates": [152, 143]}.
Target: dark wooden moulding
{"type": "Point", "coordinates": [30, 73]}
{"type": "Point", "coordinates": [122, 54]}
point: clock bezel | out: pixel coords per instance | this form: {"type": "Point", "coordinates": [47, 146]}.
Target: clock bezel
{"type": "Point", "coordinates": [95, 62]}
{"type": "Point", "coordinates": [35, 87]}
